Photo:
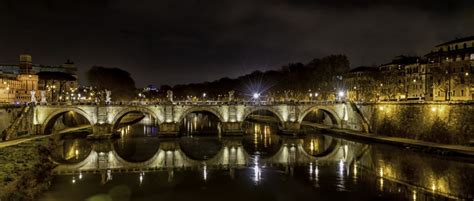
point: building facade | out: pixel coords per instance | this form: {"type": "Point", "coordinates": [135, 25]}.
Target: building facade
{"type": "Point", "coordinates": [445, 74]}
{"type": "Point", "coordinates": [362, 84]}
{"type": "Point", "coordinates": [17, 81]}
{"type": "Point", "coordinates": [452, 66]}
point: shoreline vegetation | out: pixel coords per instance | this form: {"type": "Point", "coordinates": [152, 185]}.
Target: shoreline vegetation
{"type": "Point", "coordinates": [25, 170]}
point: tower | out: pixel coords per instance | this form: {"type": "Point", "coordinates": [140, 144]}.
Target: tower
{"type": "Point", "coordinates": [26, 65]}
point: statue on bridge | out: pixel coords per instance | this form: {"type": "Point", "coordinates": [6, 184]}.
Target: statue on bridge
{"type": "Point", "coordinates": [107, 96]}
{"type": "Point", "coordinates": [286, 95]}
{"type": "Point", "coordinates": [169, 95]}
{"type": "Point", "coordinates": [231, 95]}
{"type": "Point", "coordinates": [43, 97]}
{"type": "Point", "coordinates": [33, 96]}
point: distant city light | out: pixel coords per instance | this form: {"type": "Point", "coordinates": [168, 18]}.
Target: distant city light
{"type": "Point", "coordinates": [204, 95]}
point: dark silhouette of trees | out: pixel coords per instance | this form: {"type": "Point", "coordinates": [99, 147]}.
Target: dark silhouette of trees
{"type": "Point", "coordinates": [322, 76]}
{"type": "Point", "coordinates": [114, 79]}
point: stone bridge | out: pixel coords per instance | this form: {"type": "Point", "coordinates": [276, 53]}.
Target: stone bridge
{"type": "Point", "coordinates": [168, 117]}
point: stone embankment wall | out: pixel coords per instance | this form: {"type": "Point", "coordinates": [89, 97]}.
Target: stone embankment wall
{"type": "Point", "coordinates": [25, 170]}
{"type": "Point", "coordinates": [17, 121]}
{"type": "Point", "coordinates": [7, 115]}
{"type": "Point", "coordinates": [448, 123]}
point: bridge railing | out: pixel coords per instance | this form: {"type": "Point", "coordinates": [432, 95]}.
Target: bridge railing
{"type": "Point", "coordinates": [197, 103]}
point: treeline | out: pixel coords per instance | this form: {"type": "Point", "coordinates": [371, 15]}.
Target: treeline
{"type": "Point", "coordinates": [322, 76]}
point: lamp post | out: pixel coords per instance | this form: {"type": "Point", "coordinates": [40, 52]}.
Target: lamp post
{"type": "Point", "coordinates": [256, 96]}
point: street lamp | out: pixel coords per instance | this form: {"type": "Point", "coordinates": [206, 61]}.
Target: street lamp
{"type": "Point", "coordinates": [256, 95]}
{"type": "Point", "coordinates": [340, 94]}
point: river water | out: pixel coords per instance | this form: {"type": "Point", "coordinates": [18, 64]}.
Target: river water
{"type": "Point", "coordinates": [261, 165]}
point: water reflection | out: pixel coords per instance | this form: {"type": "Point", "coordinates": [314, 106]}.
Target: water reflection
{"type": "Point", "coordinates": [200, 123]}
{"type": "Point", "coordinates": [71, 150]}
{"type": "Point", "coordinates": [261, 139]}
{"type": "Point", "coordinates": [314, 166]}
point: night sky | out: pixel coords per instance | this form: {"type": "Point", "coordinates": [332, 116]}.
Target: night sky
{"type": "Point", "coordinates": [183, 41]}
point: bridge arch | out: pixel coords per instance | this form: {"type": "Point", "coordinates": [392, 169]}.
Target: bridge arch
{"type": "Point", "coordinates": [51, 119]}
{"type": "Point", "coordinates": [201, 109]}
{"type": "Point", "coordinates": [116, 119]}
{"type": "Point", "coordinates": [269, 109]}
{"type": "Point", "coordinates": [336, 120]}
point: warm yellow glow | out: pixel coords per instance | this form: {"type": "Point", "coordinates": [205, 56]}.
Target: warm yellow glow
{"type": "Point", "coordinates": [381, 108]}
{"type": "Point", "coordinates": [433, 109]}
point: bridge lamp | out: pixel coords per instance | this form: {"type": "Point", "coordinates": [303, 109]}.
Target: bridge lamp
{"type": "Point", "coordinates": [316, 94]}
{"type": "Point", "coordinates": [340, 94]}
{"type": "Point", "coordinates": [256, 95]}
{"type": "Point", "coordinates": [310, 95]}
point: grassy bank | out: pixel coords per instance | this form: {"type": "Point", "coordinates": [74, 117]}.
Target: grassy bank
{"type": "Point", "coordinates": [25, 170]}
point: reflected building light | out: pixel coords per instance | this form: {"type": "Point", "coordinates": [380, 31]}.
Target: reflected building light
{"type": "Point", "coordinates": [316, 171]}
{"type": "Point", "coordinates": [414, 195]}
{"type": "Point", "coordinates": [257, 171]}
{"type": "Point", "coordinates": [341, 168]}
{"type": "Point", "coordinates": [381, 179]}
{"type": "Point", "coordinates": [80, 175]}
{"type": "Point", "coordinates": [142, 174]}
{"type": "Point", "coordinates": [355, 170]}
{"type": "Point", "coordinates": [204, 173]}
{"type": "Point", "coordinates": [109, 175]}
{"type": "Point", "coordinates": [381, 184]}
{"type": "Point", "coordinates": [73, 179]}
{"type": "Point", "coordinates": [433, 187]}
{"type": "Point", "coordinates": [77, 154]}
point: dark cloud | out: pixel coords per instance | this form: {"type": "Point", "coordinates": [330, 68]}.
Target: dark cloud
{"type": "Point", "coordinates": [181, 41]}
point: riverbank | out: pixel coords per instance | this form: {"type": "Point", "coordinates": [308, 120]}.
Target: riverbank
{"type": "Point", "coordinates": [25, 170]}
{"type": "Point", "coordinates": [415, 145]}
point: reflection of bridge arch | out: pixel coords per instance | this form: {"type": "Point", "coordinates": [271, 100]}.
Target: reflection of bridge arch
{"type": "Point", "coordinates": [127, 110]}
{"type": "Point", "coordinates": [138, 150]}
{"type": "Point", "coordinates": [291, 153]}
{"type": "Point", "coordinates": [336, 120]}
{"type": "Point", "coordinates": [327, 153]}
{"type": "Point", "coordinates": [252, 110]}
{"type": "Point", "coordinates": [231, 154]}
{"type": "Point", "coordinates": [51, 119]}
{"type": "Point", "coordinates": [201, 109]}
{"type": "Point", "coordinates": [188, 147]}
{"type": "Point", "coordinates": [266, 152]}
